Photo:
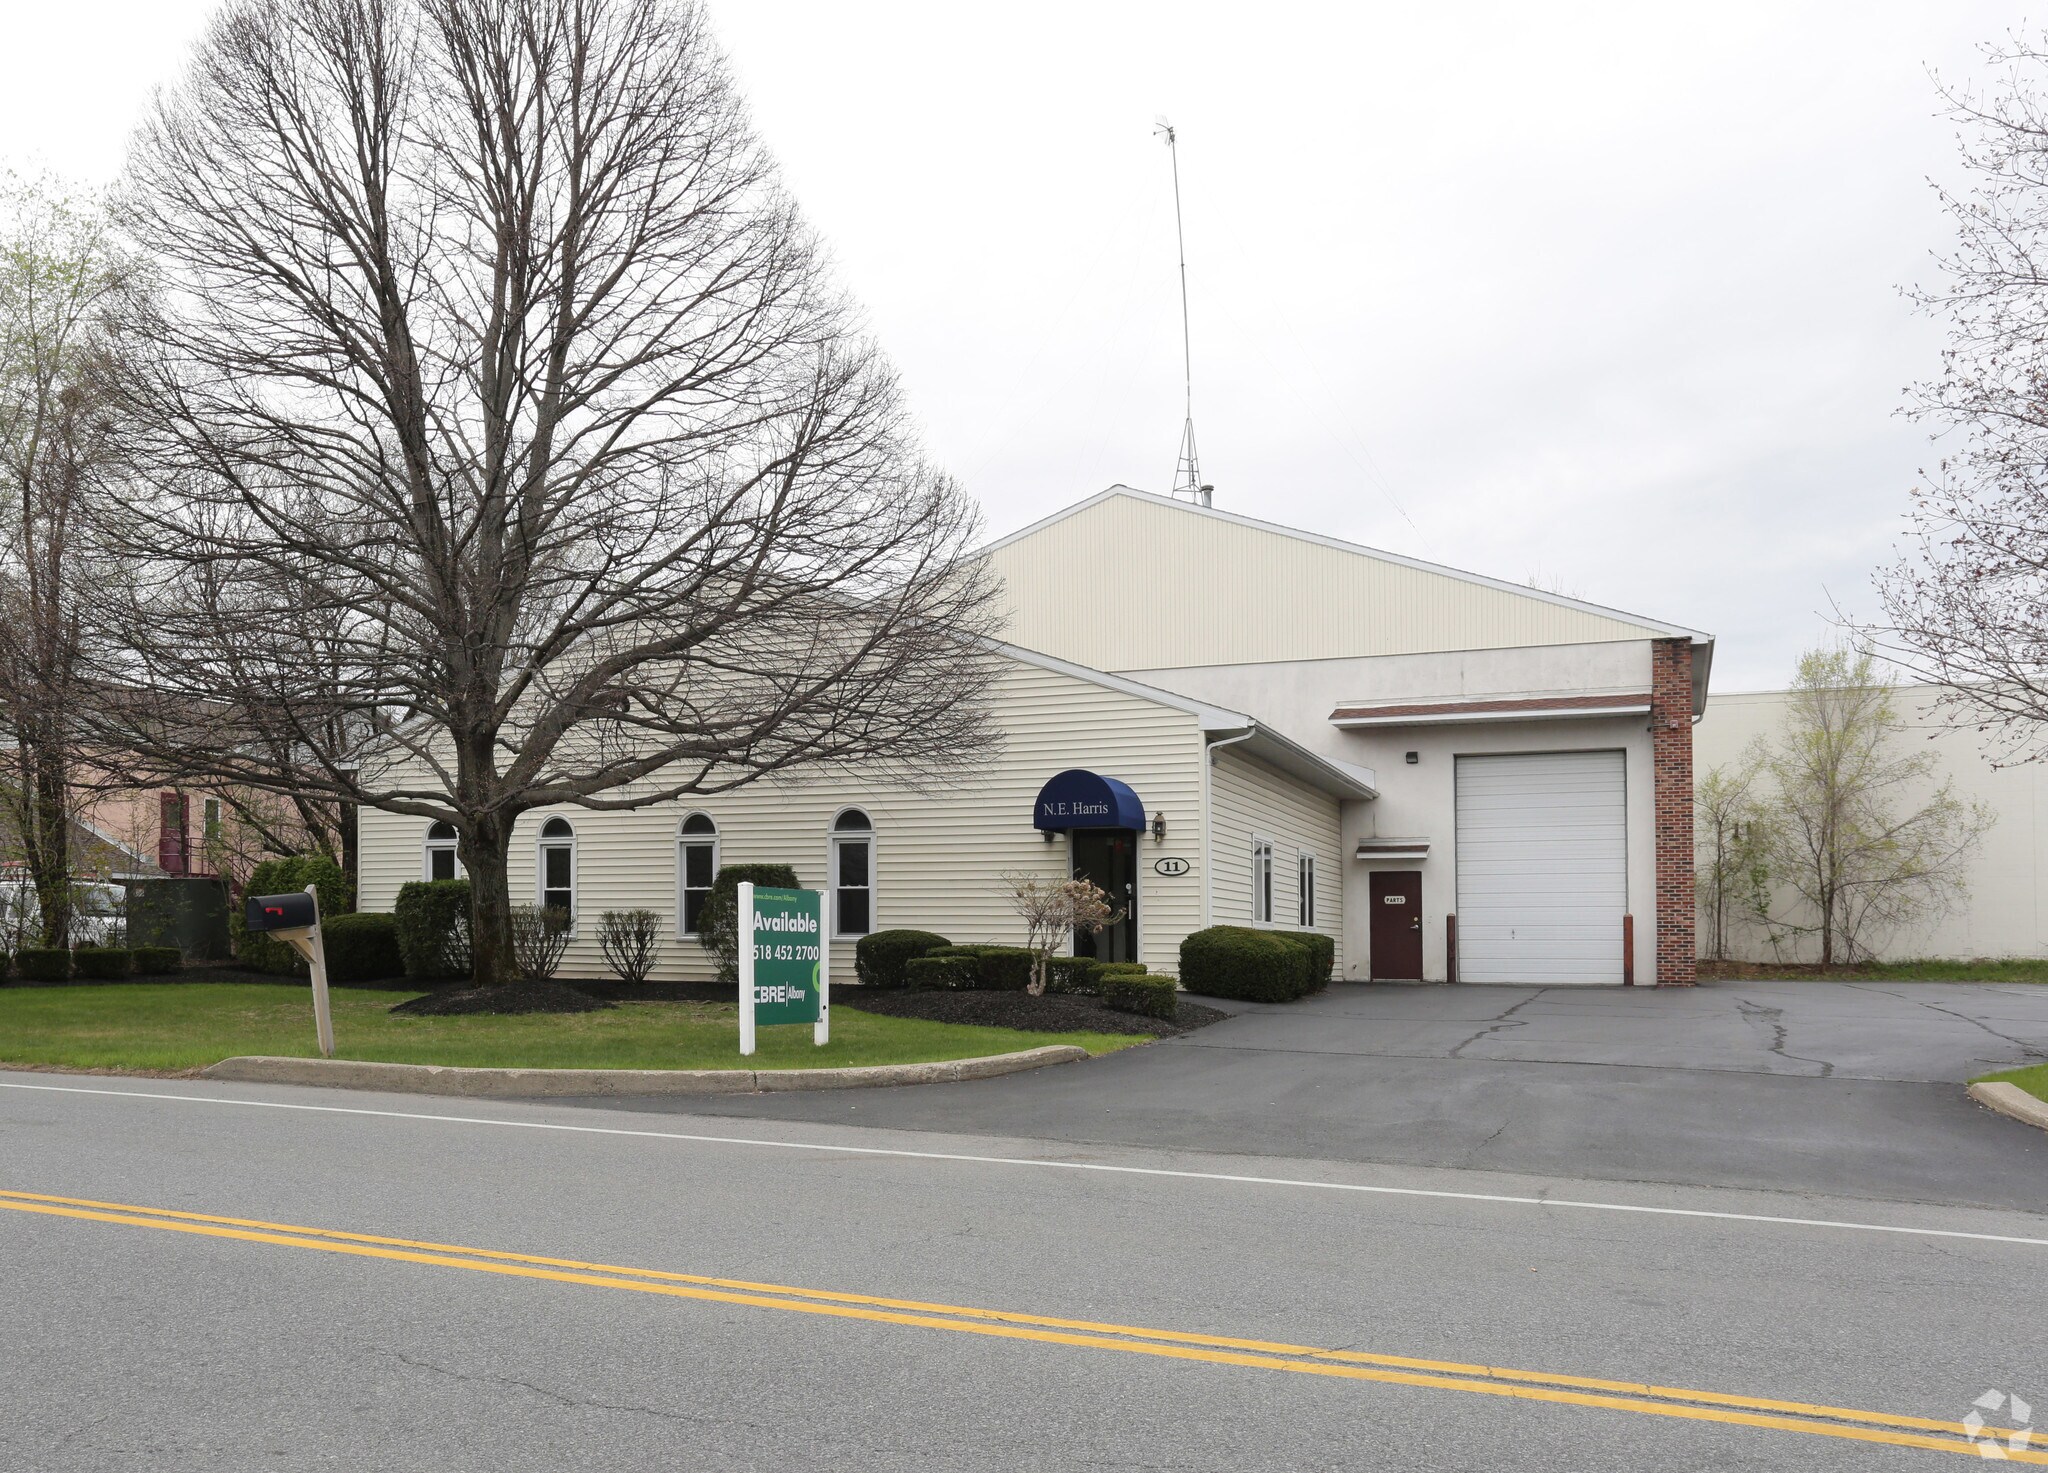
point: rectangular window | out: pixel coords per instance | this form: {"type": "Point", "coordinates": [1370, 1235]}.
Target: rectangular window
{"type": "Point", "coordinates": [440, 861]}
{"type": "Point", "coordinates": [1262, 882]}
{"type": "Point", "coordinates": [557, 885]}
{"type": "Point", "coordinates": [853, 886]}
{"type": "Point", "coordinates": [700, 868]}
{"type": "Point", "coordinates": [1305, 887]}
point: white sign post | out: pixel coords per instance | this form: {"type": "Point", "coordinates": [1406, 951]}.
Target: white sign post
{"type": "Point", "coordinates": [746, 930]}
{"type": "Point", "coordinates": [315, 951]}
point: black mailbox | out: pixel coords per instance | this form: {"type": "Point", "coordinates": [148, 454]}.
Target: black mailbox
{"type": "Point", "coordinates": [280, 912]}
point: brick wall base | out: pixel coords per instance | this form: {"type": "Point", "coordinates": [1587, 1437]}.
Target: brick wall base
{"type": "Point", "coordinates": [1671, 768]}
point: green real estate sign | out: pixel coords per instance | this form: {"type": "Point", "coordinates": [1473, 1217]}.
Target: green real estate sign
{"type": "Point", "coordinates": [785, 929]}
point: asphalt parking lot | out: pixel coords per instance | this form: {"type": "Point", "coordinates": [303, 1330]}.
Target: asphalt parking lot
{"type": "Point", "coordinates": [1848, 1088]}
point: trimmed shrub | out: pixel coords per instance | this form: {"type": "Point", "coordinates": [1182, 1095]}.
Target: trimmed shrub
{"type": "Point", "coordinates": [630, 942]}
{"type": "Point", "coordinates": [431, 923]}
{"type": "Point", "coordinates": [1237, 961]}
{"type": "Point", "coordinates": [940, 973]}
{"type": "Point", "coordinates": [1141, 993]}
{"type": "Point", "coordinates": [997, 968]}
{"type": "Point", "coordinates": [879, 956]}
{"type": "Point", "coordinates": [1322, 955]}
{"type": "Point", "coordinates": [1073, 976]}
{"type": "Point", "coordinates": [102, 963]}
{"type": "Point", "coordinates": [718, 923]}
{"type": "Point", "coordinates": [155, 961]}
{"type": "Point", "coordinates": [42, 964]}
{"type": "Point", "coordinates": [540, 934]}
{"type": "Point", "coordinates": [1122, 969]}
{"type": "Point", "coordinates": [6, 965]}
{"type": "Point", "coordinates": [362, 947]}
{"type": "Point", "coordinates": [279, 877]}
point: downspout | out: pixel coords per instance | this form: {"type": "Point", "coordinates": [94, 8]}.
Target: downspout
{"type": "Point", "coordinates": [1209, 751]}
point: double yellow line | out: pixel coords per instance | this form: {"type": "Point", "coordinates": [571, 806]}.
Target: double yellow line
{"type": "Point", "coordinates": [1585, 1391]}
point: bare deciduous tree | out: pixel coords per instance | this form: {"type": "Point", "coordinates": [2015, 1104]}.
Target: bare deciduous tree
{"type": "Point", "coordinates": [491, 375]}
{"type": "Point", "coordinates": [1967, 602]}
{"type": "Point", "coordinates": [1733, 840]}
{"type": "Point", "coordinates": [1052, 911]}
{"type": "Point", "coordinates": [1863, 838]}
{"type": "Point", "coordinates": [57, 273]}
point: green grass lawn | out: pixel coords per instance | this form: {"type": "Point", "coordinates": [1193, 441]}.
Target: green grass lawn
{"type": "Point", "coordinates": [1982, 969]}
{"type": "Point", "coordinates": [2033, 1079]}
{"type": "Point", "coordinates": [165, 1028]}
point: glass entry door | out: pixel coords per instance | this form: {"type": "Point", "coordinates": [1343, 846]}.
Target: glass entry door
{"type": "Point", "coordinates": [1109, 858]}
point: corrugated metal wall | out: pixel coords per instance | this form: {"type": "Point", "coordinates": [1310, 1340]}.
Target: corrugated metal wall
{"type": "Point", "coordinates": [1131, 584]}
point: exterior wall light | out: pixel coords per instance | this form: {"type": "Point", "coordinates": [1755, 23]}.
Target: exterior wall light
{"type": "Point", "coordinates": [1159, 828]}
{"type": "Point", "coordinates": [1413, 758]}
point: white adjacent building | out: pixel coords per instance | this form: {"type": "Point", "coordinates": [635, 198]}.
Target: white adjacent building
{"type": "Point", "coordinates": [1222, 720]}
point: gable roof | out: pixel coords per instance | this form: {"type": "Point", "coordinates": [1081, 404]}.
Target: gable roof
{"type": "Point", "coordinates": [1320, 597]}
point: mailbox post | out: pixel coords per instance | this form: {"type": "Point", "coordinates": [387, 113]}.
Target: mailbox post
{"type": "Point", "coordinates": [295, 920]}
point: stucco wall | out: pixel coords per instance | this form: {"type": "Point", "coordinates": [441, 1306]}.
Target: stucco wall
{"type": "Point", "coordinates": [2003, 914]}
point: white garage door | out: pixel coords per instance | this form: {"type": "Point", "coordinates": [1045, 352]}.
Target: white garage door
{"type": "Point", "coordinates": [1542, 867]}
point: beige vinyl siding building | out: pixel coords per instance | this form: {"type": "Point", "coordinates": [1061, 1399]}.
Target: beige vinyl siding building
{"type": "Point", "coordinates": [938, 856]}
{"type": "Point", "coordinates": [2005, 911]}
{"type": "Point", "coordinates": [1263, 826]}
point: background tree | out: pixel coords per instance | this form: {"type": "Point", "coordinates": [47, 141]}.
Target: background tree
{"type": "Point", "coordinates": [486, 346]}
{"type": "Point", "coordinates": [1967, 601]}
{"type": "Point", "coordinates": [1863, 839]}
{"type": "Point", "coordinates": [1733, 840]}
{"type": "Point", "coordinates": [58, 272]}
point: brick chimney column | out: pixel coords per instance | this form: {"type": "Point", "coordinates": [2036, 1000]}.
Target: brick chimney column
{"type": "Point", "coordinates": [1671, 768]}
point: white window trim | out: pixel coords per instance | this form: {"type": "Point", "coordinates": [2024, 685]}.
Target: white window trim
{"type": "Point", "coordinates": [1305, 888]}
{"type": "Point", "coordinates": [868, 836]}
{"type": "Point", "coordinates": [428, 847]}
{"type": "Point", "coordinates": [715, 839]}
{"type": "Point", "coordinates": [544, 842]}
{"type": "Point", "coordinates": [1262, 853]}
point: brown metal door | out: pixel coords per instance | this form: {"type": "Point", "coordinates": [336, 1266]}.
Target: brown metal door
{"type": "Point", "coordinates": [1397, 925]}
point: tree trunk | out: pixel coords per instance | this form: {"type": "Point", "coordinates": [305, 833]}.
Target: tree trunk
{"type": "Point", "coordinates": [486, 845]}
{"type": "Point", "coordinates": [49, 846]}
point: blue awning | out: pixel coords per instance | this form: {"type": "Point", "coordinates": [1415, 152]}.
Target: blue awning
{"type": "Point", "coordinates": [1080, 799]}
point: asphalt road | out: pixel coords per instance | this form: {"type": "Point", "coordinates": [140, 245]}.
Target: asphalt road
{"type": "Point", "coordinates": [140, 1340]}
{"type": "Point", "coordinates": [1851, 1089]}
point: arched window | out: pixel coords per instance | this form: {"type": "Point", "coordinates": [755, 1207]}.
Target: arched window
{"type": "Point", "coordinates": [558, 865]}
{"type": "Point", "coordinates": [853, 874]}
{"type": "Point", "coordinates": [440, 861]}
{"type": "Point", "coordinates": [696, 868]}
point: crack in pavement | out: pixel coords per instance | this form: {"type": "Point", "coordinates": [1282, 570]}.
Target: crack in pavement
{"type": "Point", "coordinates": [1500, 1021]}
{"type": "Point", "coordinates": [580, 1403]}
{"type": "Point", "coordinates": [1773, 1018]}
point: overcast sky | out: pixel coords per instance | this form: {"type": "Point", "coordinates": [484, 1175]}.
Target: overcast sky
{"type": "Point", "coordinates": [1602, 296]}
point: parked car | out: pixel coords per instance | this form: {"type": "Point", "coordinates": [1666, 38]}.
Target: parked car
{"type": "Point", "coordinates": [97, 914]}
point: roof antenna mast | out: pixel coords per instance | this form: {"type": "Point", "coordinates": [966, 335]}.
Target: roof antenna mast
{"type": "Point", "coordinates": [1187, 471]}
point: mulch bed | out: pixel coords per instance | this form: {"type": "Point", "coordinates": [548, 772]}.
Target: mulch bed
{"type": "Point", "coordinates": [518, 997]}
{"type": "Point", "coordinates": [1020, 1010]}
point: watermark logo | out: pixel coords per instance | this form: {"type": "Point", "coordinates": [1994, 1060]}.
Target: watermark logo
{"type": "Point", "coordinates": [2000, 1442]}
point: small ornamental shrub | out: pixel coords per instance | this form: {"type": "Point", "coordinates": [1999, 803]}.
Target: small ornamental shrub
{"type": "Point", "coordinates": [1237, 961]}
{"type": "Point", "coordinates": [281, 877]}
{"type": "Point", "coordinates": [362, 947]}
{"type": "Point", "coordinates": [1322, 956]}
{"type": "Point", "coordinates": [1146, 995]}
{"type": "Point", "coordinates": [431, 920]}
{"type": "Point", "coordinates": [940, 973]}
{"type": "Point", "coordinates": [1122, 969]}
{"type": "Point", "coordinates": [1073, 976]}
{"type": "Point", "coordinates": [996, 968]}
{"type": "Point", "coordinates": [631, 943]}
{"type": "Point", "coordinates": [718, 924]}
{"type": "Point", "coordinates": [879, 956]}
{"type": "Point", "coordinates": [42, 964]}
{"type": "Point", "coordinates": [157, 961]}
{"type": "Point", "coordinates": [102, 964]}
{"type": "Point", "coordinates": [540, 934]}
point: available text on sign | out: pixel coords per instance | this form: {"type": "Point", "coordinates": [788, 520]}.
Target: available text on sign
{"type": "Point", "coordinates": [784, 961]}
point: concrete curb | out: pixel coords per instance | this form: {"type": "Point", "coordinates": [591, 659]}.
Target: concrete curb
{"type": "Point", "coordinates": [2010, 1099]}
{"type": "Point", "coordinates": [438, 1079]}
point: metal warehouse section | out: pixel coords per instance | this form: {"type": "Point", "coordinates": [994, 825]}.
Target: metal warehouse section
{"type": "Point", "coordinates": [1542, 867]}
